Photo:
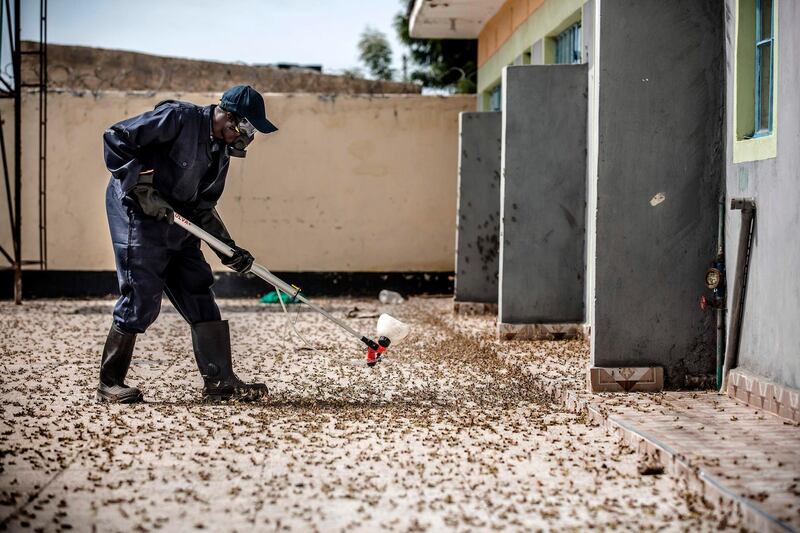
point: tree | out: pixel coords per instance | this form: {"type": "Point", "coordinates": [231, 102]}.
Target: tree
{"type": "Point", "coordinates": [352, 73]}
{"type": "Point", "coordinates": [441, 63]}
{"type": "Point", "coordinates": [376, 53]}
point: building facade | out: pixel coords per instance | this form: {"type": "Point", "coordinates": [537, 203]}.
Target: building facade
{"type": "Point", "coordinates": [762, 156]}
{"type": "Point", "coordinates": [684, 106]}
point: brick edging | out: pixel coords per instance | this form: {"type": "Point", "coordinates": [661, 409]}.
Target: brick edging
{"type": "Point", "coordinates": [761, 393]}
{"type": "Point", "coordinates": [678, 466]}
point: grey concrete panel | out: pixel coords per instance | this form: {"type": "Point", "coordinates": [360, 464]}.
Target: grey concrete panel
{"type": "Point", "coordinates": [537, 53]}
{"type": "Point", "coordinates": [590, 54]}
{"type": "Point", "coordinates": [543, 194]}
{"type": "Point", "coordinates": [478, 224]}
{"type": "Point", "coordinates": [659, 166]}
{"type": "Point", "coordinates": [770, 339]}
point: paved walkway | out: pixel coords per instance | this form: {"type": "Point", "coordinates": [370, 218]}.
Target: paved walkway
{"type": "Point", "coordinates": [733, 455]}
{"type": "Point", "coordinates": [451, 432]}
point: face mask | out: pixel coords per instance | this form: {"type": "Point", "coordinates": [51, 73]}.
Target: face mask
{"type": "Point", "coordinates": [247, 133]}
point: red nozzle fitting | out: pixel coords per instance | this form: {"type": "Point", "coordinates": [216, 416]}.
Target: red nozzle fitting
{"type": "Point", "coordinates": [375, 350]}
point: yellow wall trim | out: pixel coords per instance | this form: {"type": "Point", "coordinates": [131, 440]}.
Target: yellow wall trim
{"type": "Point", "coordinates": [497, 31]}
{"type": "Point", "coordinates": [543, 21]}
{"type": "Point", "coordinates": [755, 149]}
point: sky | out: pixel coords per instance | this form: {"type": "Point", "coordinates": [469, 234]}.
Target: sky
{"type": "Point", "coordinates": [322, 32]}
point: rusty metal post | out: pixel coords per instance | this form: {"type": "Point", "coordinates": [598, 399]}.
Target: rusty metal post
{"type": "Point", "coordinates": [17, 66]}
{"type": "Point", "coordinates": [748, 209]}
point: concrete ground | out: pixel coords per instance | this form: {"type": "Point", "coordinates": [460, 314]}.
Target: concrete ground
{"type": "Point", "coordinates": [447, 433]}
{"type": "Point", "coordinates": [728, 453]}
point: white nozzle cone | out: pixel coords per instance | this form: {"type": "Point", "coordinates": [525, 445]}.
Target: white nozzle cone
{"type": "Point", "coordinates": [390, 327]}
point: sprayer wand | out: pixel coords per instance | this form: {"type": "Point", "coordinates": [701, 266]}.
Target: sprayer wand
{"type": "Point", "coordinates": [374, 349]}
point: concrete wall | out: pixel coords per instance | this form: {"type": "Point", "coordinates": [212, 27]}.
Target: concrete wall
{"type": "Point", "coordinates": [591, 54]}
{"type": "Point", "coordinates": [349, 183]}
{"type": "Point", "coordinates": [659, 170]}
{"type": "Point", "coordinates": [770, 343]}
{"type": "Point", "coordinates": [478, 215]}
{"type": "Point", "coordinates": [543, 194]}
{"type": "Point", "coordinates": [100, 69]}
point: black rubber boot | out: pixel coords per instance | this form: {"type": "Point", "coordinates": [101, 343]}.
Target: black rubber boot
{"type": "Point", "coordinates": [114, 365]}
{"type": "Point", "coordinates": [212, 350]}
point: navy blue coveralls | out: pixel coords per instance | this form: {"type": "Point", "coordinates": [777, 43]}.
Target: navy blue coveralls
{"type": "Point", "coordinates": [154, 257]}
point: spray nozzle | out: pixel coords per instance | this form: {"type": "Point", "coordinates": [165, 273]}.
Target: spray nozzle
{"type": "Point", "coordinates": [374, 354]}
{"type": "Point", "coordinates": [391, 331]}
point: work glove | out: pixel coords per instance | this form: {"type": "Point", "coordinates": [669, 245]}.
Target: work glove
{"type": "Point", "coordinates": [241, 261]}
{"type": "Point", "coordinates": [145, 198]}
{"type": "Point", "coordinates": [209, 220]}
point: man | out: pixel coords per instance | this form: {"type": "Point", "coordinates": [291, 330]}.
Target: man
{"type": "Point", "coordinates": [174, 158]}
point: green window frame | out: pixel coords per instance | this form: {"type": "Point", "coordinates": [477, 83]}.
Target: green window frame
{"type": "Point", "coordinates": [765, 51]}
{"type": "Point", "coordinates": [568, 46]}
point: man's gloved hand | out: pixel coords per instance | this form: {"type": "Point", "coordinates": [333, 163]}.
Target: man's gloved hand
{"type": "Point", "coordinates": [241, 261]}
{"type": "Point", "coordinates": [145, 198]}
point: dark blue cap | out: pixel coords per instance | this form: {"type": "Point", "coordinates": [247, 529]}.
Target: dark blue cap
{"type": "Point", "coordinates": [244, 101]}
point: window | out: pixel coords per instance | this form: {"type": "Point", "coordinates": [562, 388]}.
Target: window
{"type": "Point", "coordinates": [496, 98]}
{"type": "Point", "coordinates": [568, 46]}
{"type": "Point", "coordinates": [755, 80]}
{"type": "Point", "coordinates": [763, 68]}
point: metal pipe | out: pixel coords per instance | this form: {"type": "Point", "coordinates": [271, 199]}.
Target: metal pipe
{"type": "Point", "coordinates": [748, 208]}
{"type": "Point", "coordinates": [43, 134]}
{"type": "Point", "coordinates": [7, 182]}
{"type": "Point", "coordinates": [6, 175]}
{"type": "Point", "coordinates": [721, 309]}
{"type": "Point", "coordinates": [262, 272]}
{"type": "Point", "coordinates": [16, 60]}
{"type": "Point", "coordinates": [10, 29]}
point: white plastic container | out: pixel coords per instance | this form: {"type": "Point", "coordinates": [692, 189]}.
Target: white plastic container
{"type": "Point", "coordinates": [390, 297]}
{"type": "Point", "coordinates": [390, 327]}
